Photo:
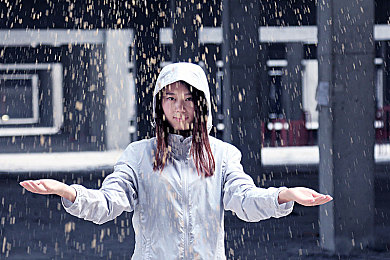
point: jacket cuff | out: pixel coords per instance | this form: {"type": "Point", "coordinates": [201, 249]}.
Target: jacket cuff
{"type": "Point", "coordinates": [285, 208]}
{"type": "Point", "coordinates": [67, 204]}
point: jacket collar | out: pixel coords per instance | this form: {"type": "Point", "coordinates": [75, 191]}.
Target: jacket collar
{"type": "Point", "coordinates": [180, 146]}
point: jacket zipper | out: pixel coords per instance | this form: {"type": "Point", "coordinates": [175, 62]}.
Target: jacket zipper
{"type": "Point", "coordinates": [186, 201]}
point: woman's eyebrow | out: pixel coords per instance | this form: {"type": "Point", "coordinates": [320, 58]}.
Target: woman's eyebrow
{"type": "Point", "coordinates": [171, 93]}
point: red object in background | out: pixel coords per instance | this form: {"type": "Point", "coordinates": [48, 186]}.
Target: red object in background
{"type": "Point", "coordinates": [382, 127]}
{"type": "Point", "coordinates": [281, 132]}
{"type": "Point", "coordinates": [298, 134]}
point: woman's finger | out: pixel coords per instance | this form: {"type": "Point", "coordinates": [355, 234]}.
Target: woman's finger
{"type": "Point", "coordinates": [320, 201]}
{"type": "Point", "coordinates": [306, 202]}
{"type": "Point", "coordinates": [23, 183]}
{"type": "Point", "coordinates": [316, 194]}
{"type": "Point", "coordinates": [308, 197]}
{"type": "Point", "coordinates": [322, 197]}
{"type": "Point", "coordinates": [29, 187]}
{"type": "Point", "coordinates": [37, 187]}
{"type": "Point", "coordinates": [314, 201]}
{"type": "Point", "coordinates": [33, 186]}
{"type": "Point", "coordinates": [323, 200]}
{"type": "Point", "coordinates": [44, 184]}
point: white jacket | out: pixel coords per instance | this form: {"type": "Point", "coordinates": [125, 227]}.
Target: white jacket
{"type": "Point", "coordinates": [177, 213]}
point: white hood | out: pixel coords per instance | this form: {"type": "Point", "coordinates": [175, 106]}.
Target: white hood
{"type": "Point", "coordinates": [192, 74]}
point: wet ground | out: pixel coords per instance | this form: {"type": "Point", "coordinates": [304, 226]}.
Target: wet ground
{"type": "Point", "coordinates": [37, 227]}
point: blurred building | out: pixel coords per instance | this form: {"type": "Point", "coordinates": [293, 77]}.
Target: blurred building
{"type": "Point", "coordinates": [77, 75]}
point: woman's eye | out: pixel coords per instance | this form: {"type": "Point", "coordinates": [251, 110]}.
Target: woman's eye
{"type": "Point", "coordinates": [189, 99]}
{"type": "Point", "coordinates": [170, 98]}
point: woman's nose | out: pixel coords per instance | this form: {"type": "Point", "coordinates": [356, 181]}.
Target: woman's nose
{"type": "Point", "coordinates": [180, 105]}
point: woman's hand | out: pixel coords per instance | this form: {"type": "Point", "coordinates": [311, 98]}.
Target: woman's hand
{"type": "Point", "coordinates": [49, 186]}
{"type": "Point", "coordinates": [303, 196]}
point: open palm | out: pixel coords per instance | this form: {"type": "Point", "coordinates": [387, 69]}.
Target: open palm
{"type": "Point", "coordinates": [308, 197]}
{"type": "Point", "coordinates": [44, 186]}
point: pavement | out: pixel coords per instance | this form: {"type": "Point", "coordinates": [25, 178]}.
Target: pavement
{"type": "Point", "coordinates": [36, 227]}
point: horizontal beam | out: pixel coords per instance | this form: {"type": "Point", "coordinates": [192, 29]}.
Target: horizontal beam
{"type": "Point", "coordinates": [25, 66]}
{"type": "Point", "coordinates": [211, 35]}
{"type": "Point", "coordinates": [55, 37]}
{"type": "Point", "coordinates": [57, 162]}
{"type": "Point", "coordinates": [306, 34]}
{"type": "Point", "coordinates": [207, 35]}
{"type": "Point", "coordinates": [309, 34]}
{"type": "Point", "coordinates": [29, 131]}
{"type": "Point", "coordinates": [382, 32]}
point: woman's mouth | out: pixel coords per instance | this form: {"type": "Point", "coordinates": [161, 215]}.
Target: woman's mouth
{"type": "Point", "coordinates": [180, 119]}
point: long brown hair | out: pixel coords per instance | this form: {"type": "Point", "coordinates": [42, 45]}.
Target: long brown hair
{"type": "Point", "coordinates": [200, 147]}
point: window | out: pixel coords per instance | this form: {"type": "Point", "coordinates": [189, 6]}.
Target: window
{"type": "Point", "coordinates": [30, 99]}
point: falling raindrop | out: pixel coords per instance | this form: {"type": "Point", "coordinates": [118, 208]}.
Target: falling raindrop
{"type": "Point", "coordinates": [263, 99]}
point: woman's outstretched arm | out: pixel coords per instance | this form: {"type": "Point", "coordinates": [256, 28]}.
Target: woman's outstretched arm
{"type": "Point", "coordinates": [49, 186]}
{"type": "Point", "coordinates": [118, 193]}
{"type": "Point", "coordinates": [252, 203]}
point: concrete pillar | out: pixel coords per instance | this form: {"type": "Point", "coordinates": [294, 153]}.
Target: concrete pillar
{"type": "Point", "coordinates": [185, 24]}
{"type": "Point", "coordinates": [346, 135]}
{"type": "Point", "coordinates": [117, 44]}
{"type": "Point", "coordinates": [264, 91]}
{"type": "Point", "coordinates": [147, 58]}
{"type": "Point", "coordinates": [211, 69]}
{"type": "Point", "coordinates": [76, 73]}
{"type": "Point", "coordinates": [95, 96]}
{"type": "Point", "coordinates": [242, 82]}
{"type": "Point", "coordinates": [292, 82]}
{"type": "Point", "coordinates": [226, 52]}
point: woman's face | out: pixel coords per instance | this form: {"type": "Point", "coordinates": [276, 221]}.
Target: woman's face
{"type": "Point", "coordinates": [178, 106]}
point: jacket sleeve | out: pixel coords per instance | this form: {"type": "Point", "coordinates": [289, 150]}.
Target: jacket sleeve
{"type": "Point", "coordinates": [241, 195]}
{"type": "Point", "coordinates": [117, 194]}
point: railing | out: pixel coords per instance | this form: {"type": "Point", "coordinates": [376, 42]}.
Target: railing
{"type": "Point", "coordinates": [282, 132]}
{"type": "Point", "coordinates": [382, 125]}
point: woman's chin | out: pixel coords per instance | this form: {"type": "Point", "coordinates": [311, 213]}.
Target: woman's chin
{"type": "Point", "coordinates": [182, 127]}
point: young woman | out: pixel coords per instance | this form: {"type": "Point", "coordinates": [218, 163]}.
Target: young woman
{"type": "Point", "coordinates": [180, 182]}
